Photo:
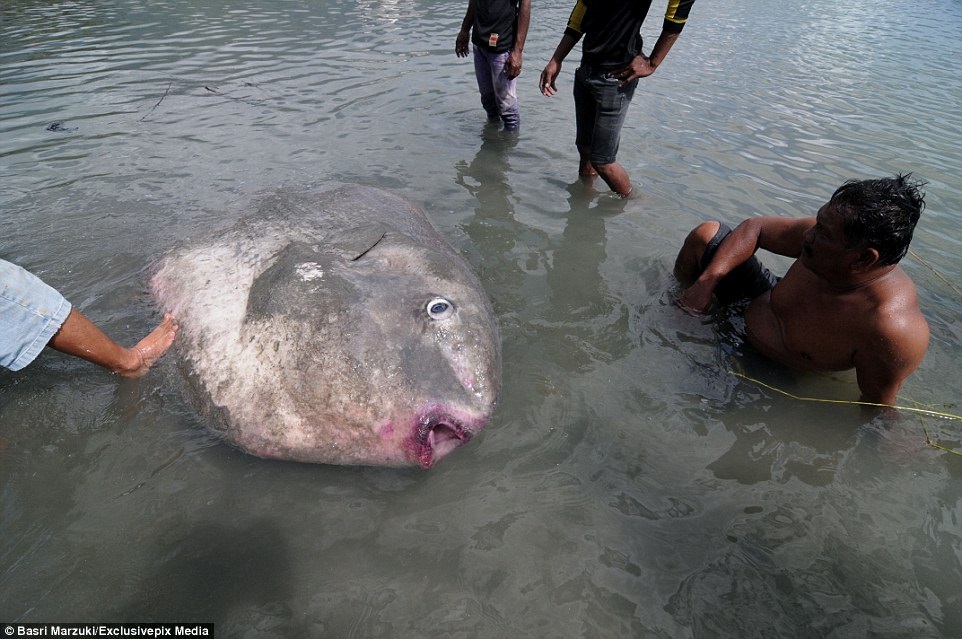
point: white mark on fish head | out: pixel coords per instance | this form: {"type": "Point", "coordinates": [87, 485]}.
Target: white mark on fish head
{"type": "Point", "coordinates": [309, 271]}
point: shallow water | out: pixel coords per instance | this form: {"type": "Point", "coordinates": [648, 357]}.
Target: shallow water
{"type": "Point", "coordinates": [629, 484]}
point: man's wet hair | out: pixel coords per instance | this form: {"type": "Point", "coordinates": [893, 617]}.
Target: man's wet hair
{"type": "Point", "coordinates": [881, 214]}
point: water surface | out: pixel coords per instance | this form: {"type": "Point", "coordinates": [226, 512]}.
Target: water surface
{"type": "Point", "coordinates": [629, 485]}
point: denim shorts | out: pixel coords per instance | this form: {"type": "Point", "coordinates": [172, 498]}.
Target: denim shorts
{"type": "Point", "coordinates": [600, 109]}
{"type": "Point", "coordinates": [31, 313]}
{"type": "Point", "coordinates": [746, 281]}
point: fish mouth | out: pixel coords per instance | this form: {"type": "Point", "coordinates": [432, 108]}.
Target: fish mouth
{"type": "Point", "coordinates": [436, 435]}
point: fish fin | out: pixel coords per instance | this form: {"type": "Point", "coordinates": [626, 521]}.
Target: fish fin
{"type": "Point", "coordinates": [353, 243]}
{"type": "Point", "coordinates": [301, 283]}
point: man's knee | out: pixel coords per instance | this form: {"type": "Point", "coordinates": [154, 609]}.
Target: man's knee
{"type": "Point", "coordinates": [613, 174]}
{"type": "Point", "coordinates": [701, 235]}
{"type": "Point", "coordinates": [604, 168]}
{"type": "Point", "coordinates": [688, 262]}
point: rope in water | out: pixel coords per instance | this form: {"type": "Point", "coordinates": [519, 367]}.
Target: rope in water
{"type": "Point", "coordinates": [944, 279]}
{"type": "Point", "coordinates": [920, 411]}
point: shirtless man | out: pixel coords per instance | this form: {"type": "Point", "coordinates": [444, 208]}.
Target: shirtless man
{"type": "Point", "coordinates": [844, 303]}
{"type": "Point", "coordinates": [34, 315]}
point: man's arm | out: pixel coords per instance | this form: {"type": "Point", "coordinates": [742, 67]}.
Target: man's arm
{"type": "Point", "coordinates": [461, 44]}
{"type": "Point", "coordinates": [568, 41]}
{"type": "Point", "coordinates": [642, 66]}
{"type": "Point", "coordinates": [513, 64]}
{"type": "Point", "coordinates": [553, 68]}
{"type": "Point", "coordinates": [893, 353]}
{"type": "Point", "coordinates": [783, 236]}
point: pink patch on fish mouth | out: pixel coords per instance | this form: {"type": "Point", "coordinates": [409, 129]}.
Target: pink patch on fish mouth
{"type": "Point", "coordinates": [437, 434]}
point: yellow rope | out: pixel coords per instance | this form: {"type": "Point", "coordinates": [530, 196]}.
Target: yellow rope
{"type": "Point", "coordinates": [920, 411]}
{"type": "Point", "coordinates": [847, 401]}
{"type": "Point", "coordinates": [919, 259]}
{"type": "Point", "coordinates": [933, 443]}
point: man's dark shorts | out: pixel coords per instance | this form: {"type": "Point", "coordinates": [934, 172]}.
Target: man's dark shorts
{"type": "Point", "coordinates": [746, 282]}
{"type": "Point", "coordinates": [601, 104]}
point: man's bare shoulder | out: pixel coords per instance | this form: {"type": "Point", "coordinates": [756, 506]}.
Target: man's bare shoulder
{"type": "Point", "coordinates": [894, 343]}
{"type": "Point", "coordinates": [896, 322]}
{"type": "Point", "coordinates": [896, 298]}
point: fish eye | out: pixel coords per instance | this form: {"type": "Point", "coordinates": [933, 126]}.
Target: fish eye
{"type": "Point", "coordinates": [439, 309]}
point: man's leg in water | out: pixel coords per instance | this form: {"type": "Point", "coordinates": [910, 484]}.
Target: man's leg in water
{"type": "Point", "coordinates": [613, 173]}
{"type": "Point", "coordinates": [78, 336]}
{"type": "Point", "coordinates": [615, 177]}
{"type": "Point", "coordinates": [584, 123]}
{"type": "Point", "coordinates": [506, 92]}
{"type": "Point", "coordinates": [482, 71]}
{"type": "Point", "coordinates": [586, 171]}
{"type": "Point", "coordinates": [601, 104]}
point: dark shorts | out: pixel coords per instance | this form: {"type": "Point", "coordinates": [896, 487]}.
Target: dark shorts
{"type": "Point", "coordinates": [747, 281]}
{"type": "Point", "coordinates": [600, 109]}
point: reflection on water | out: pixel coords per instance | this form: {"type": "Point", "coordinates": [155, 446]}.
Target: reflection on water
{"type": "Point", "coordinates": [629, 485]}
{"type": "Point", "coordinates": [224, 561]}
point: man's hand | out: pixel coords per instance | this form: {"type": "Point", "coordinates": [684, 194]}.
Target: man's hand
{"type": "Point", "coordinates": [639, 67]}
{"type": "Point", "coordinates": [512, 66]}
{"type": "Point", "coordinates": [696, 299]}
{"type": "Point", "coordinates": [461, 44]}
{"type": "Point", "coordinates": [548, 78]}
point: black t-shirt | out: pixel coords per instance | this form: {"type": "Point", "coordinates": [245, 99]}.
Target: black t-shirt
{"type": "Point", "coordinates": [612, 28]}
{"type": "Point", "coordinates": [494, 24]}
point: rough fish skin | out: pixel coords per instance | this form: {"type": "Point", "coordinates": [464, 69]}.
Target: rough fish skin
{"type": "Point", "coordinates": [335, 326]}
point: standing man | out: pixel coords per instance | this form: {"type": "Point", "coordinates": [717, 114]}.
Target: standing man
{"type": "Point", "coordinates": [844, 303]}
{"type": "Point", "coordinates": [611, 63]}
{"type": "Point", "coordinates": [498, 30]}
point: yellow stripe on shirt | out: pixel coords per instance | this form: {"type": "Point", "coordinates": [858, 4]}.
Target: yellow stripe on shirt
{"type": "Point", "coordinates": [677, 10]}
{"type": "Point", "coordinates": [578, 14]}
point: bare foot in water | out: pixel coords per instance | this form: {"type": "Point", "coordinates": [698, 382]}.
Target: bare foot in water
{"type": "Point", "coordinates": [151, 348]}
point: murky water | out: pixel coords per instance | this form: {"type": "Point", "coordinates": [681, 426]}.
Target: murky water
{"type": "Point", "coordinates": [629, 485]}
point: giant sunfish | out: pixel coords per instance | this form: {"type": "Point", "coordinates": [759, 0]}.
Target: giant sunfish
{"type": "Point", "coordinates": [337, 327]}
